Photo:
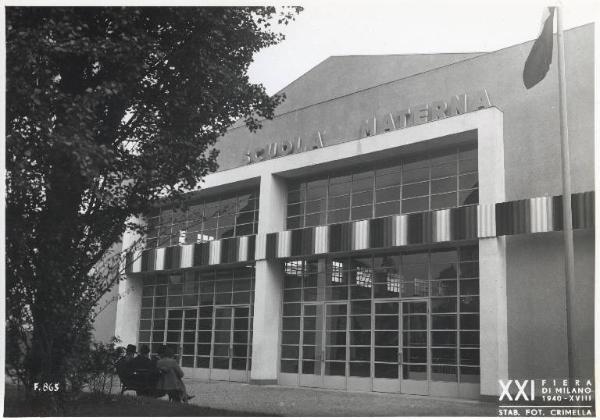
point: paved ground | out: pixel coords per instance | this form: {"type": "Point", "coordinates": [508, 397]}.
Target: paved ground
{"type": "Point", "coordinates": [289, 401]}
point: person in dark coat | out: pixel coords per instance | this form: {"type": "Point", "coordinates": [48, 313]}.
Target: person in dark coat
{"type": "Point", "coordinates": [143, 361]}
{"type": "Point", "coordinates": [145, 372]}
{"type": "Point", "coordinates": [124, 364]}
{"type": "Point", "coordinates": [130, 351]}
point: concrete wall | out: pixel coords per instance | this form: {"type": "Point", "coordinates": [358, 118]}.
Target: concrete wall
{"type": "Point", "coordinates": [104, 324]}
{"type": "Point", "coordinates": [493, 347]}
{"type": "Point", "coordinates": [129, 303]}
{"type": "Point", "coordinates": [268, 290]}
{"type": "Point", "coordinates": [106, 309]}
{"type": "Point", "coordinates": [367, 71]}
{"type": "Point", "coordinates": [531, 127]}
{"type": "Point", "coordinates": [537, 343]}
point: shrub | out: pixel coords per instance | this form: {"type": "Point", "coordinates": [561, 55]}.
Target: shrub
{"type": "Point", "coordinates": [99, 367]}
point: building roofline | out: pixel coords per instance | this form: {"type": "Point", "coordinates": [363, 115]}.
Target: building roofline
{"type": "Point", "coordinates": [409, 54]}
{"type": "Point", "coordinates": [235, 127]}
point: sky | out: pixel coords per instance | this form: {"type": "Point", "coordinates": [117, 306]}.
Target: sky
{"type": "Point", "coordinates": [353, 27]}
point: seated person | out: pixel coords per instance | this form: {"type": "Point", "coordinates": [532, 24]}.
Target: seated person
{"type": "Point", "coordinates": [124, 364]}
{"type": "Point", "coordinates": [170, 381]}
{"type": "Point", "coordinates": [145, 372]}
{"type": "Point", "coordinates": [143, 361]}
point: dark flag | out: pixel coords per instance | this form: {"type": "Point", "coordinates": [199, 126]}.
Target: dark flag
{"type": "Point", "coordinates": [540, 56]}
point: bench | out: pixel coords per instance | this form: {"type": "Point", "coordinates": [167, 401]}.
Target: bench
{"type": "Point", "coordinates": [143, 382]}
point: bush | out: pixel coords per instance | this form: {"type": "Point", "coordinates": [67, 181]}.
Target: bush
{"type": "Point", "coordinates": [98, 370]}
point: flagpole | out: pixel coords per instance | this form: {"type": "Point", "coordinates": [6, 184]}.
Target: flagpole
{"type": "Point", "coordinates": [566, 199]}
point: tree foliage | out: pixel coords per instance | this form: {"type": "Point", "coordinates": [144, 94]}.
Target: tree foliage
{"type": "Point", "coordinates": [108, 109]}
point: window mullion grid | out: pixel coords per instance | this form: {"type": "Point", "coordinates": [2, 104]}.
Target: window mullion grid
{"type": "Point", "coordinates": [372, 343]}
{"type": "Point", "coordinates": [218, 220]}
{"type": "Point", "coordinates": [458, 294]}
{"type": "Point", "coordinates": [401, 184]}
{"type": "Point", "coordinates": [230, 344]}
{"type": "Point", "coordinates": [457, 189]}
{"type": "Point", "coordinates": [212, 335]}
{"type": "Point", "coordinates": [235, 213]}
{"type": "Point", "coordinates": [167, 306]}
{"type": "Point", "coordinates": [202, 220]}
{"type": "Point", "coordinates": [235, 217]}
{"type": "Point", "coordinates": [428, 323]}
{"type": "Point", "coordinates": [196, 328]}
{"type": "Point", "coordinates": [174, 240]}
{"type": "Point", "coordinates": [172, 230]}
{"type": "Point", "coordinates": [372, 335]}
{"type": "Point", "coordinates": [186, 223]}
{"type": "Point", "coordinates": [429, 181]}
{"type": "Point", "coordinates": [350, 198]}
{"type": "Point", "coordinates": [348, 349]}
{"type": "Point", "coordinates": [281, 326]}
{"type": "Point", "coordinates": [301, 203]}
{"type": "Point", "coordinates": [302, 314]}
{"type": "Point", "coordinates": [304, 202]}
{"type": "Point", "coordinates": [374, 189]}
{"type": "Point", "coordinates": [326, 204]}
{"type": "Point", "coordinates": [169, 231]}
{"type": "Point", "coordinates": [151, 338]}
{"type": "Point", "coordinates": [168, 227]}
{"type": "Point", "coordinates": [165, 230]}
{"type": "Point", "coordinates": [151, 315]}
{"type": "Point", "coordinates": [181, 332]}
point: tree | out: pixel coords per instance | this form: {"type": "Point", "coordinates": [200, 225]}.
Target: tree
{"type": "Point", "coordinates": [107, 110]}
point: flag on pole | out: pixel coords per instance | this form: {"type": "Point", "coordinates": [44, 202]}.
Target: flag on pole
{"type": "Point", "coordinates": [540, 56]}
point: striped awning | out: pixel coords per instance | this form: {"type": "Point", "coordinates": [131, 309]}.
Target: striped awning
{"type": "Point", "coordinates": [222, 251]}
{"type": "Point", "coordinates": [533, 215]}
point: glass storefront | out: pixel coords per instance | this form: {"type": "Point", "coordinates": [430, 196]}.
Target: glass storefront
{"type": "Point", "coordinates": [206, 316]}
{"type": "Point", "coordinates": [430, 181]}
{"type": "Point", "coordinates": [392, 322]}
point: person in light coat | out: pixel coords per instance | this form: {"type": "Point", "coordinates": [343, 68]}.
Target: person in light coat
{"type": "Point", "coordinates": [170, 380]}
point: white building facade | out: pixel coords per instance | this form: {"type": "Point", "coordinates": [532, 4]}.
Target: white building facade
{"type": "Point", "coordinates": [365, 241]}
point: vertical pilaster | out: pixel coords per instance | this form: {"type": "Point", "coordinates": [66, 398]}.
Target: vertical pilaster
{"type": "Point", "coordinates": [130, 298]}
{"type": "Point", "coordinates": [268, 293]}
{"type": "Point", "coordinates": [492, 260]}
{"type": "Point", "coordinates": [493, 314]}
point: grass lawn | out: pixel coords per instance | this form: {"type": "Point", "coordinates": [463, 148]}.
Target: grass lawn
{"type": "Point", "coordinates": [96, 405]}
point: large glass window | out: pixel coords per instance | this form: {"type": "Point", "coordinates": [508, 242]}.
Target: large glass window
{"type": "Point", "coordinates": [428, 181]}
{"type": "Point", "coordinates": [326, 300]}
{"type": "Point", "coordinates": [207, 220]}
{"type": "Point", "coordinates": [200, 313]}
